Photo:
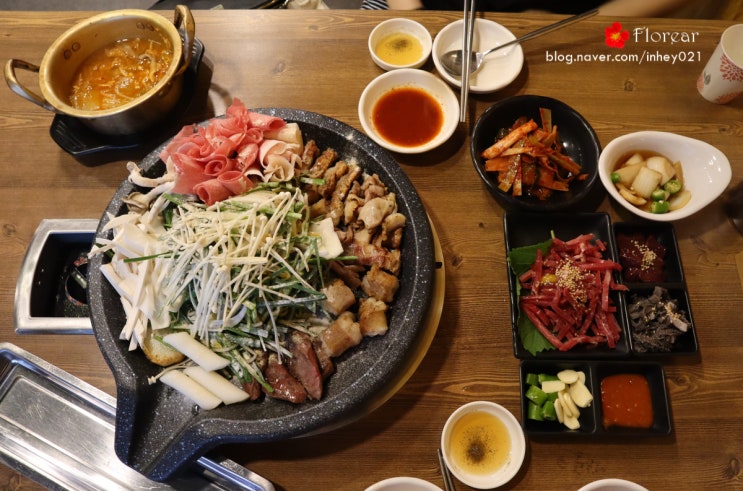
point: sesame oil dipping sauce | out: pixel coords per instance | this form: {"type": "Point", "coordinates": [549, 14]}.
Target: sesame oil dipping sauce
{"type": "Point", "coordinates": [483, 444]}
{"type": "Point", "coordinates": [408, 116]}
{"type": "Point", "coordinates": [480, 443]}
{"type": "Point", "coordinates": [399, 48]}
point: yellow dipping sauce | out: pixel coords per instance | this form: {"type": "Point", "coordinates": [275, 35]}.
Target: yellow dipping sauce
{"type": "Point", "coordinates": [399, 48]}
{"type": "Point", "coordinates": [480, 443]}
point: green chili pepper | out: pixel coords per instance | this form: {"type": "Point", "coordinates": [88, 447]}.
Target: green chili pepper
{"type": "Point", "coordinates": [548, 411]}
{"type": "Point", "coordinates": [672, 186]}
{"type": "Point", "coordinates": [658, 195]}
{"type": "Point", "coordinates": [660, 207]}
{"type": "Point", "coordinates": [536, 395]}
{"type": "Point", "coordinates": [546, 376]}
{"type": "Point", "coordinates": [534, 412]}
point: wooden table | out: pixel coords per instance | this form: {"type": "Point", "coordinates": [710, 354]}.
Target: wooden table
{"type": "Point", "coordinates": [318, 61]}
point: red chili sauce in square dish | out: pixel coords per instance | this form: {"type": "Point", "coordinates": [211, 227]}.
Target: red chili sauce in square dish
{"type": "Point", "coordinates": [626, 401]}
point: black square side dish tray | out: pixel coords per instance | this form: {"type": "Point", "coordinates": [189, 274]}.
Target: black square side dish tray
{"type": "Point", "coordinates": [673, 281]}
{"type": "Point", "coordinates": [525, 229]}
{"type": "Point", "coordinates": [591, 417]}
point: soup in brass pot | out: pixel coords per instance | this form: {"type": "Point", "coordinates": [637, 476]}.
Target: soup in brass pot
{"type": "Point", "coordinates": [119, 73]}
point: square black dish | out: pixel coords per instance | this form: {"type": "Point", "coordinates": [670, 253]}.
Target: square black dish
{"type": "Point", "coordinates": [654, 374]}
{"type": "Point", "coordinates": [660, 322]}
{"type": "Point", "coordinates": [526, 229]}
{"type": "Point", "coordinates": [591, 418]}
{"type": "Point", "coordinates": [587, 419]}
{"type": "Point", "coordinates": [640, 237]}
{"type": "Point", "coordinates": [654, 262]}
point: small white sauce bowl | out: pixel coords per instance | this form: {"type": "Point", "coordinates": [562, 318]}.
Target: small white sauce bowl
{"type": "Point", "coordinates": [706, 169]}
{"type": "Point", "coordinates": [514, 460]}
{"type": "Point", "coordinates": [498, 69]}
{"type": "Point", "coordinates": [400, 25]}
{"type": "Point", "coordinates": [409, 77]}
{"type": "Point", "coordinates": [403, 484]}
{"type": "Point", "coordinates": [612, 485]}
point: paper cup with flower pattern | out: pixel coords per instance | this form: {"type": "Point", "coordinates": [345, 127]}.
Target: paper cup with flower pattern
{"type": "Point", "coordinates": [721, 81]}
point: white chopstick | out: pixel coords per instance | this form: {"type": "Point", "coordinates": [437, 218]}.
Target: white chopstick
{"type": "Point", "coordinates": [468, 28]}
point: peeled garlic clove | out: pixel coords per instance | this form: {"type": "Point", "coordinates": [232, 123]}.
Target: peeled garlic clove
{"type": "Point", "coordinates": [582, 377]}
{"type": "Point", "coordinates": [551, 386]}
{"type": "Point", "coordinates": [572, 423]}
{"type": "Point", "coordinates": [559, 411]}
{"type": "Point", "coordinates": [568, 404]}
{"type": "Point", "coordinates": [580, 394]}
{"type": "Point", "coordinates": [568, 376]}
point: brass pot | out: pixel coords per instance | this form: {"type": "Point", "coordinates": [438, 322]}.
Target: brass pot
{"type": "Point", "coordinates": [63, 58]}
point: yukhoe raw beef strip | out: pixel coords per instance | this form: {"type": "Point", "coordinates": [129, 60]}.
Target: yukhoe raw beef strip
{"type": "Point", "coordinates": [568, 300]}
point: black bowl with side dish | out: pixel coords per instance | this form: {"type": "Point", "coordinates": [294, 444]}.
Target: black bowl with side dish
{"type": "Point", "coordinates": [579, 142]}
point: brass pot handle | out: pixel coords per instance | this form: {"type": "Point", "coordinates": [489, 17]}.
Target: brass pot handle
{"type": "Point", "coordinates": [12, 81]}
{"type": "Point", "coordinates": [184, 18]}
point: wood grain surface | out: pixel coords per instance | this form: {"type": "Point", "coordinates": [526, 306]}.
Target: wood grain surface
{"type": "Point", "coordinates": [319, 61]}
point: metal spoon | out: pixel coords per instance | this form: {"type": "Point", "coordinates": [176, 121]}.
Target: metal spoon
{"type": "Point", "coordinates": [452, 60]}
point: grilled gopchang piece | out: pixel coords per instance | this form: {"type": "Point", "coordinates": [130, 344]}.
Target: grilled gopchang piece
{"type": "Point", "coordinates": [365, 218]}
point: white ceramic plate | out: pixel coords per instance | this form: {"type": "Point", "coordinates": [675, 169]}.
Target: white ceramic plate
{"type": "Point", "coordinates": [706, 169]}
{"type": "Point", "coordinates": [612, 485]}
{"type": "Point", "coordinates": [409, 77]}
{"type": "Point", "coordinates": [498, 69]}
{"type": "Point", "coordinates": [403, 484]}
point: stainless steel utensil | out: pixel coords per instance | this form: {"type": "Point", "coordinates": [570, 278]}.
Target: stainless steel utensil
{"type": "Point", "coordinates": [454, 60]}
{"type": "Point", "coordinates": [38, 398]}
{"type": "Point", "coordinates": [469, 26]}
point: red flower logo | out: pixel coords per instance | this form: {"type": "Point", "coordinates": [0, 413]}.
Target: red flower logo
{"type": "Point", "coordinates": [615, 36]}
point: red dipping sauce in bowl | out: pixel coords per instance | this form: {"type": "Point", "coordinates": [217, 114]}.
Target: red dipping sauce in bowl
{"type": "Point", "coordinates": [408, 116]}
